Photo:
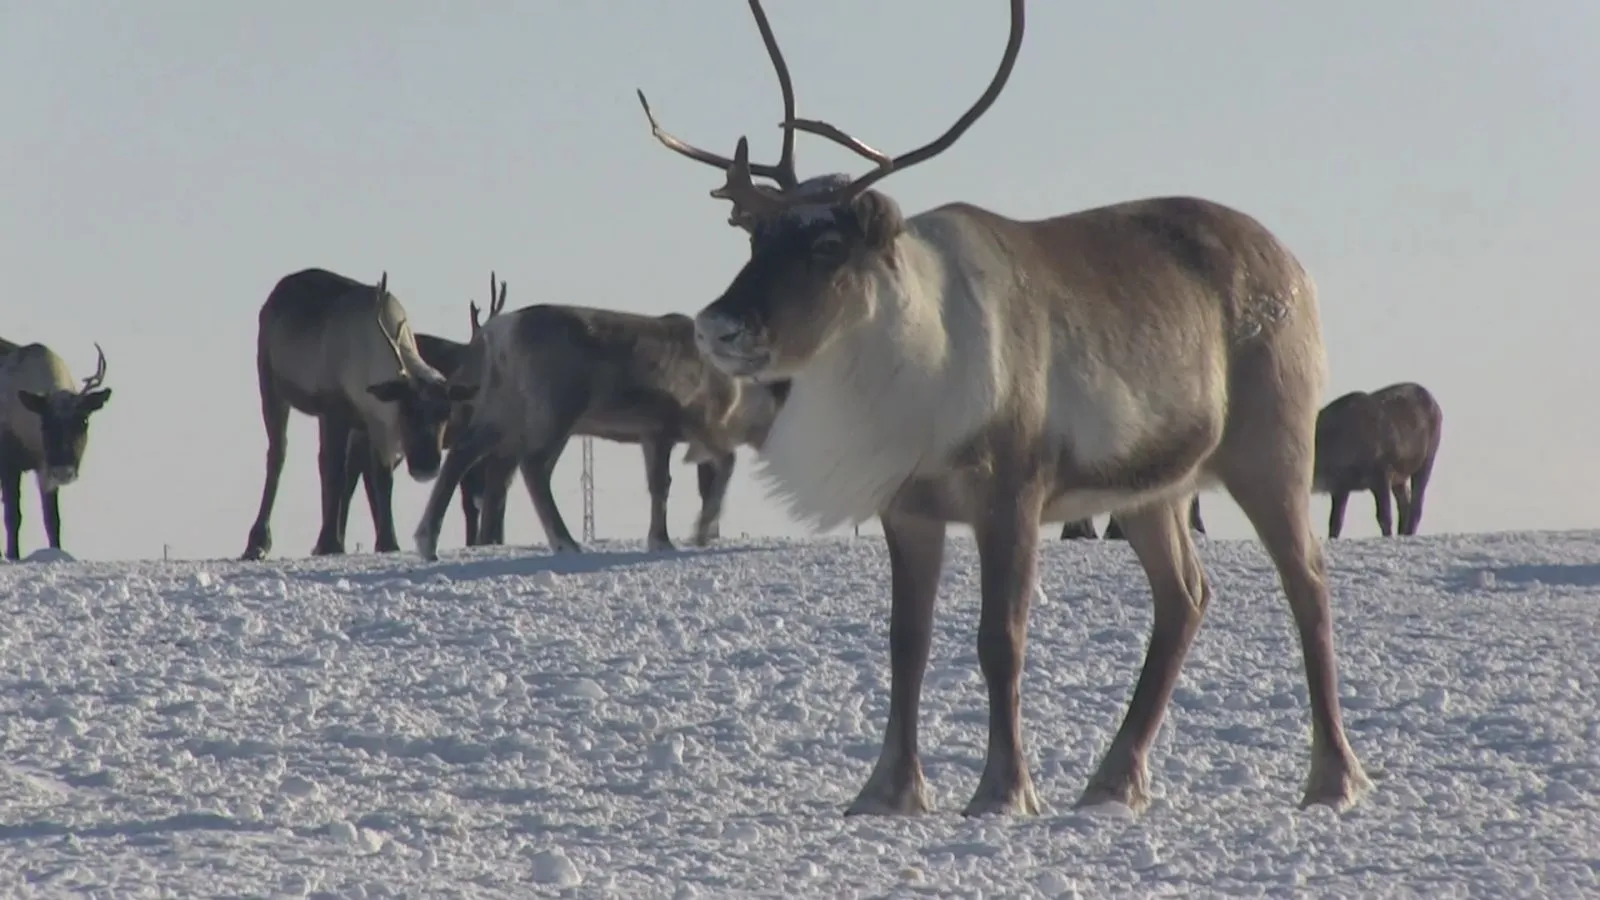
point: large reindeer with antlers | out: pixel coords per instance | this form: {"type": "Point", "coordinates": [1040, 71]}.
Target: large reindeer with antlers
{"type": "Point", "coordinates": [343, 352]}
{"type": "Point", "coordinates": [44, 429]}
{"type": "Point", "coordinates": [446, 356]}
{"type": "Point", "coordinates": [959, 365]}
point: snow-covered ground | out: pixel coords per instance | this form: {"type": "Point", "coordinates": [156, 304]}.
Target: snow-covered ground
{"type": "Point", "coordinates": [506, 724]}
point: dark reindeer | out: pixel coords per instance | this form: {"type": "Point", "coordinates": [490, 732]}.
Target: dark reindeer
{"type": "Point", "coordinates": [959, 365]}
{"type": "Point", "coordinates": [343, 352]}
{"type": "Point", "coordinates": [1084, 528]}
{"type": "Point", "coordinates": [541, 374]}
{"type": "Point", "coordinates": [44, 429]}
{"type": "Point", "coordinates": [446, 356]}
{"type": "Point", "coordinates": [1376, 442]}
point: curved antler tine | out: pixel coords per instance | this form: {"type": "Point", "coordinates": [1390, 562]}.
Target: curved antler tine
{"type": "Point", "coordinates": [697, 154]}
{"type": "Point", "coordinates": [99, 376]}
{"type": "Point", "coordinates": [783, 172]}
{"type": "Point", "coordinates": [383, 284]}
{"type": "Point", "coordinates": [499, 303]}
{"type": "Point", "coordinates": [944, 141]}
{"type": "Point", "coordinates": [473, 313]}
{"type": "Point", "coordinates": [832, 133]}
{"type": "Point", "coordinates": [673, 143]}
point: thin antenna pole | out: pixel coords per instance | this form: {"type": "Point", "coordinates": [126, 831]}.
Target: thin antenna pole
{"type": "Point", "coordinates": [587, 480]}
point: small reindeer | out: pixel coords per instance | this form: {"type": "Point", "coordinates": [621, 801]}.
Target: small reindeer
{"type": "Point", "coordinates": [44, 429]}
{"type": "Point", "coordinates": [1376, 442]}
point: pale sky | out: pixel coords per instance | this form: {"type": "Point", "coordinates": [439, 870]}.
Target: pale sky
{"type": "Point", "coordinates": [1432, 163]}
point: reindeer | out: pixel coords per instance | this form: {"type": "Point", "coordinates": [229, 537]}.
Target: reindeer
{"type": "Point", "coordinates": [44, 429]}
{"type": "Point", "coordinates": [446, 356]}
{"type": "Point", "coordinates": [543, 373]}
{"type": "Point", "coordinates": [963, 366]}
{"type": "Point", "coordinates": [344, 353]}
{"type": "Point", "coordinates": [1375, 442]}
{"type": "Point", "coordinates": [1084, 528]}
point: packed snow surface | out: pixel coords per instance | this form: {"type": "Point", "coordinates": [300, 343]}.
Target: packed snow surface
{"type": "Point", "coordinates": [505, 723]}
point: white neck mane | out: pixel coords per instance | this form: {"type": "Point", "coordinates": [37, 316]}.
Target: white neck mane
{"type": "Point", "coordinates": [890, 397]}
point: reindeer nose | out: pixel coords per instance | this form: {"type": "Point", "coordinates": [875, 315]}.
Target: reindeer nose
{"type": "Point", "coordinates": [712, 330]}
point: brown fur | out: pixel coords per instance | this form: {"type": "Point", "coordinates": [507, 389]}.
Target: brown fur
{"type": "Point", "coordinates": [1378, 442]}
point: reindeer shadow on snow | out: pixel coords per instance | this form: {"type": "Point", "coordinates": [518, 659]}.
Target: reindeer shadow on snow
{"type": "Point", "coordinates": [474, 565]}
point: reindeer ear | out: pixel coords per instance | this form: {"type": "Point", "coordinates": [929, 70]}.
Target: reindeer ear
{"type": "Point", "coordinates": [390, 391]}
{"type": "Point", "coordinates": [32, 402]}
{"type": "Point", "coordinates": [93, 400]}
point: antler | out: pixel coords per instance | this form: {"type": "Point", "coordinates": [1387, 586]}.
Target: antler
{"type": "Point", "coordinates": [938, 145]}
{"type": "Point", "coordinates": [783, 173]}
{"type": "Point", "coordinates": [496, 304]}
{"type": "Point", "coordinates": [753, 202]}
{"type": "Point", "coordinates": [99, 376]}
{"type": "Point", "coordinates": [394, 343]}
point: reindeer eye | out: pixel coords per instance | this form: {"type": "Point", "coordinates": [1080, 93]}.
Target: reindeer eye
{"type": "Point", "coordinates": [828, 248]}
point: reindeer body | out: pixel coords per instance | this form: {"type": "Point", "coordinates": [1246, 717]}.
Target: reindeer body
{"type": "Point", "coordinates": [1384, 442]}
{"type": "Point", "coordinates": [344, 353]}
{"type": "Point", "coordinates": [544, 373]}
{"type": "Point", "coordinates": [43, 429]}
{"type": "Point", "coordinates": [963, 366]}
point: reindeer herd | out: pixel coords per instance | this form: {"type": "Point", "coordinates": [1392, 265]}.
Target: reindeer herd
{"type": "Point", "coordinates": [954, 365]}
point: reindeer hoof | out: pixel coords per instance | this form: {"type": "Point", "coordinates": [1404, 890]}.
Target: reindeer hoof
{"type": "Point", "coordinates": [427, 545]}
{"type": "Point", "coordinates": [1339, 783]}
{"type": "Point", "coordinates": [893, 792]}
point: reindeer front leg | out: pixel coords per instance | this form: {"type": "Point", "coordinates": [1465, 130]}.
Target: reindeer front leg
{"type": "Point", "coordinates": [50, 503]}
{"type": "Point", "coordinates": [335, 443]}
{"type": "Point", "coordinates": [380, 497]}
{"type": "Point", "coordinates": [658, 477]}
{"type": "Point", "coordinates": [1380, 498]}
{"type": "Point", "coordinates": [1008, 542]}
{"type": "Point", "coordinates": [916, 554]}
{"type": "Point", "coordinates": [11, 499]}
{"type": "Point", "coordinates": [1336, 513]}
{"type": "Point", "coordinates": [713, 478]}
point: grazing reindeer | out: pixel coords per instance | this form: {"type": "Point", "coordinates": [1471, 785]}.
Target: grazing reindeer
{"type": "Point", "coordinates": [1084, 528]}
{"type": "Point", "coordinates": [543, 373]}
{"type": "Point", "coordinates": [446, 356]}
{"type": "Point", "coordinates": [1375, 442]}
{"type": "Point", "coordinates": [44, 429]}
{"type": "Point", "coordinates": [343, 352]}
{"type": "Point", "coordinates": [963, 366]}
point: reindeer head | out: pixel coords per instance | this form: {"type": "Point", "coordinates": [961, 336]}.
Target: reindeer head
{"type": "Point", "coordinates": [64, 423]}
{"type": "Point", "coordinates": [815, 246]}
{"type": "Point", "coordinates": [420, 394]}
